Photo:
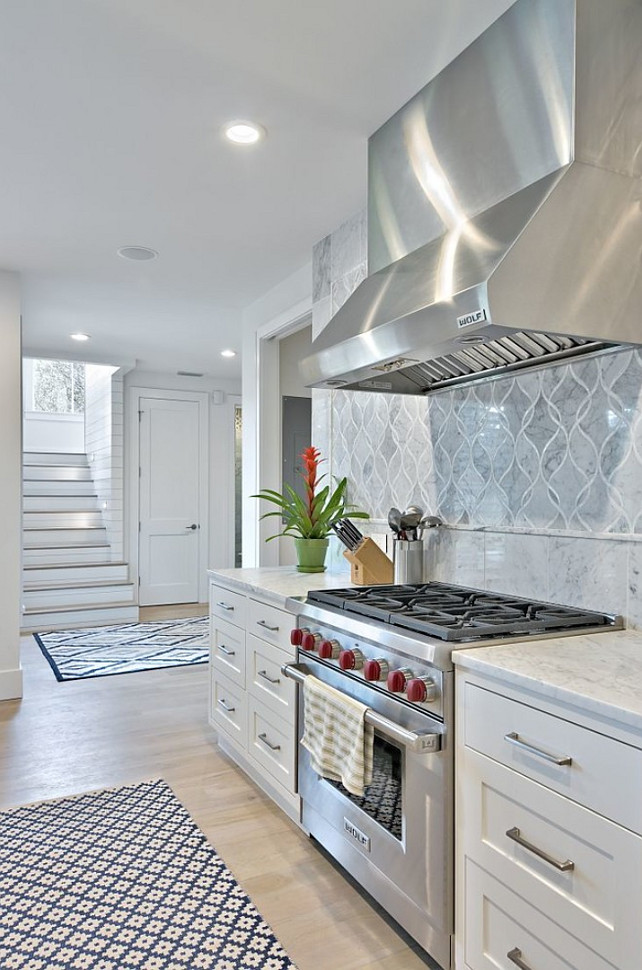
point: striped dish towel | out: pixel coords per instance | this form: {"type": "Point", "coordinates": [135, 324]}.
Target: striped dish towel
{"type": "Point", "coordinates": [336, 736]}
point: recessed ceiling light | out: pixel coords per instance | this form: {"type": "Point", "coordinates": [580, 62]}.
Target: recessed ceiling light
{"type": "Point", "coordinates": [139, 253]}
{"type": "Point", "coordinates": [228, 353]}
{"type": "Point", "coordinates": [79, 336]}
{"type": "Point", "coordinates": [244, 132]}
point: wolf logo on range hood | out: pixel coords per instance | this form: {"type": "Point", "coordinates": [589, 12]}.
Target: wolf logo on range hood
{"type": "Point", "coordinates": [504, 209]}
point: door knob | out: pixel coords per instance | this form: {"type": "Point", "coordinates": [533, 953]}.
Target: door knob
{"type": "Point", "coordinates": [193, 526]}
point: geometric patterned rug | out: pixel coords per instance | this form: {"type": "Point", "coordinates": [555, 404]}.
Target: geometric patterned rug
{"type": "Point", "coordinates": [123, 878]}
{"type": "Point", "coordinates": [127, 648]}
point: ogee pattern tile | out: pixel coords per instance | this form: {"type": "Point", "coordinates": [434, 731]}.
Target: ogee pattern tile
{"type": "Point", "coordinates": [556, 449]}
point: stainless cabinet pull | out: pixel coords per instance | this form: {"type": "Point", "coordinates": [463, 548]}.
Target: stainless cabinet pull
{"type": "Point", "coordinates": [223, 649]}
{"type": "Point", "coordinates": [266, 625]}
{"type": "Point", "coordinates": [224, 606]}
{"type": "Point", "coordinates": [566, 866]}
{"type": "Point", "coordinates": [273, 747]}
{"type": "Point", "coordinates": [515, 956]}
{"type": "Point", "coordinates": [272, 680]}
{"type": "Point", "coordinates": [514, 738]}
{"type": "Point", "coordinates": [226, 707]}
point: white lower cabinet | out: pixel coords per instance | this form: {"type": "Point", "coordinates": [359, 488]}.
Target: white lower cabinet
{"type": "Point", "coordinates": [252, 705]}
{"type": "Point", "coordinates": [228, 708]}
{"type": "Point", "coordinates": [544, 881]}
{"type": "Point", "coordinates": [503, 930]}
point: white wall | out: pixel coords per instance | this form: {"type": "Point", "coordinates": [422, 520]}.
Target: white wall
{"type": "Point", "coordinates": [53, 432]}
{"type": "Point", "coordinates": [221, 467]}
{"type": "Point", "coordinates": [285, 304]}
{"type": "Point", "coordinates": [104, 447]}
{"type": "Point", "coordinates": [10, 486]}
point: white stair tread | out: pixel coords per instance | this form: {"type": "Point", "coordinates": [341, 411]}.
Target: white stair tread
{"type": "Point", "coordinates": [79, 608]}
{"type": "Point", "coordinates": [73, 584]}
{"type": "Point", "coordinates": [67, 545]}
{"type": "Point", "coordinates": [66, 565]}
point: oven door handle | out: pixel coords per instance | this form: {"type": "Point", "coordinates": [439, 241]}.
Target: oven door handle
{"type": "Point", "coordinates": [425, 743]}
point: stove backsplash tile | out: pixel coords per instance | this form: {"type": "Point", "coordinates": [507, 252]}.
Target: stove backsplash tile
{"type": "Point", "coordinates": [560, 448]}
{"type": "Point", "coordinates": [460, 554]}
{"type": "Point", "coordinates": [518, 564]}
{"type": "Point", "coordinates": [588, 573]}
{"type": "Point", "coordinates": [555, 452]}
{"type": "Point", "coordinates": [634, 607]}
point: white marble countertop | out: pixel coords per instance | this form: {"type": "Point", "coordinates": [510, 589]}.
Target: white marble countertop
{"type": "Point", "coordinates": [278, 583]}
{"type": "Point", "coordinates": [600, 673]}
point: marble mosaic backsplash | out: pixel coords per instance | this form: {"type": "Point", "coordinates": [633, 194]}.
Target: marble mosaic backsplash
{"type": "Point", "coordinates": [555, 449]}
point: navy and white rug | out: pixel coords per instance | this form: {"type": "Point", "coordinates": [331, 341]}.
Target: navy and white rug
{"type": "Point", "coordinates": [123, 878]}
{"type": "Point", "coordinates": [127, 648]}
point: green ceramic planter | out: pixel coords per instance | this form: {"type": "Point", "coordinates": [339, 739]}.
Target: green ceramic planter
{"type": "Point", "coordinates": [311, 554]}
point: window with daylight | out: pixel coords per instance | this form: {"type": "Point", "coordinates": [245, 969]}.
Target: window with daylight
{"type": "Point", "coordinates": [58, 387]}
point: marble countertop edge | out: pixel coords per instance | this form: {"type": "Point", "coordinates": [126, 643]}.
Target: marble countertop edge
{"type": "Point", "coordinates": [597, 673]}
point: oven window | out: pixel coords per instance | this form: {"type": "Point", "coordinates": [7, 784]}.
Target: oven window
{"type": "Point", "coordinates": [382, 800]}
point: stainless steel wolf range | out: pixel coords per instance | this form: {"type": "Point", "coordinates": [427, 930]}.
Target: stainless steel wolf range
{"type": "Point", "coordinates": [390, 647]}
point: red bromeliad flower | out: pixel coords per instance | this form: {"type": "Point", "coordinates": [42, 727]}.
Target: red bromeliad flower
{"type": "Point", "coordinates": [314, 515]}
{"type": "Point", "coordinates": [311, 458]}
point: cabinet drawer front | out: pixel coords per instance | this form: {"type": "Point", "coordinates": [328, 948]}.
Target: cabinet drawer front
{"type": "Point", "coordinates": [271, 624]}
{"type": "Point", "coordinates": [588, 880]}
{"type": "Point", "coordinates": [603, 774]}
{"type": "Point", "coordinates": [265, 680]}
{"type": "Point", "coordinates": [499, 923]}
{"type": "Point", "coordinates": [228, 605]}
{"type": "Point", "coordinates": [227, 650]}
{"type": "Point", "coordinates": [271, 743]}
{"type": "Point", "coordinates": [228, 708]}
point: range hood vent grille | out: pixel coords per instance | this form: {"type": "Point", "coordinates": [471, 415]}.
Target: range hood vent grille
{"type": "Point", "coordinates": [481, 358]}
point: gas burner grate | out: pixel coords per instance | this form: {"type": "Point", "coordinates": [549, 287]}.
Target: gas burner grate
{"type": "Point", "coordinates": [456, 613]}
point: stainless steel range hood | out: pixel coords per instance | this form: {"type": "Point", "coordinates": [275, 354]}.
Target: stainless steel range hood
{"type": "Point", "coordinates": [504, 209]}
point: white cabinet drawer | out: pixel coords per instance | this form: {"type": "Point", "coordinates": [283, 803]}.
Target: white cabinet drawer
{"type": "Point", "coordinates": [504, 933]}
{"type": "Point", "coordinates": [227, 650]}
{"type": "Point", "coordinates": [228, 704]}
{"type": "Point", "coordinates": [228, 605]}
{"type": "Point", "coordinates": [598, 895]}
{"type": "Point", "coordinates": [271, 624]}
{"type": "Point", "coordinates": [265, 680]}
{"type": "Point", "coordinates": [272, 744]}
{"type": "Point", "coordinates": [603, 774]}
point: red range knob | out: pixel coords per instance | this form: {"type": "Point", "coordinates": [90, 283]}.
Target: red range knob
{"type": "Point", "coordinates": [296, 635]}
{"type": "Point", "coordinates": [351, 659]}
{"type": "Point", "coordinates": [397, 679]}
{"type": "Point", "coordinates": [310, 640]}
{"type": "Point", "coordinates": [421, 689]}
{"type": "Point", "coordinates": [329, 649]}
{"type": "Point", "coordinates": [375, 669]}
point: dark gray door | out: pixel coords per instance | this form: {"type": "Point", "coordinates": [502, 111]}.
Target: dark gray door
{"type": "Point", "coordinates": [297, 431]}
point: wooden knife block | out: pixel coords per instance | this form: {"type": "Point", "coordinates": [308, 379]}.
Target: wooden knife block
{"type": "Point", "coordinates": [369, 565]}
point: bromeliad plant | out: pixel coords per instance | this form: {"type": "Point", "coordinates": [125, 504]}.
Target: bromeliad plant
{"type": "Point", "coordinates": [314, 516]}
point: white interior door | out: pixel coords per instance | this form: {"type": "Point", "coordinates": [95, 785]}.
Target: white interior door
{"type": "Point", "coordinates": [170, 510]}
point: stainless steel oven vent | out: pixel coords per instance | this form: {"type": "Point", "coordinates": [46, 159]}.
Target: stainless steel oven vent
{"type": "Point", "coordinates": [485, 359]}
{"type": "Point", "coordinates": [504, 209]}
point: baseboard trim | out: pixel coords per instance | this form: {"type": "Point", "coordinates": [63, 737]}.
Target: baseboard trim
{"type": "Point", "coordinates": [10, 684]}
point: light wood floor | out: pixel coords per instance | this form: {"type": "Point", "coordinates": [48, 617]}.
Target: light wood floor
{"type": "Point", "coordinates": [66, 738]}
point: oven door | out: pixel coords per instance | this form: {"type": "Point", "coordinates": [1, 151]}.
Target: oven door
{"type": "Point", "coordinates": [397, 840]}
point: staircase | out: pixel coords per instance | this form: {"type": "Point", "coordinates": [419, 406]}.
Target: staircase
{"type": "Point", "coordinates": [69, 578]}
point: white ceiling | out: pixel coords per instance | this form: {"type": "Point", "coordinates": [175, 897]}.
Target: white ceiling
{"type": "Point", "coordinates": [110, 117]}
